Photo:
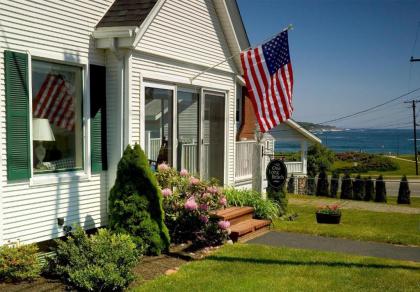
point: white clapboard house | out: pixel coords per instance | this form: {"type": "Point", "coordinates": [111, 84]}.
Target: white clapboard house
{"type": "Point", "coordinates": [80, 80]}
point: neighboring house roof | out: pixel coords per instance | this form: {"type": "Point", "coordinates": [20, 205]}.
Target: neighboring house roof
{"type": "Point", "coordinates": [127, 13]}
{"type": "Point", "coordinates": [311, 137]}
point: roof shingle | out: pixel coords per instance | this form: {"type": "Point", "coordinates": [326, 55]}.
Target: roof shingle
{"type": "Point", "coordinates": [127, 13]}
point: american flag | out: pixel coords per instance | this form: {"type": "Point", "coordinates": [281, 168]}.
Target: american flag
{"type": "Point", "coordinates": [55, 102]}
{"type": "Point", "coordinates": [269, 80]}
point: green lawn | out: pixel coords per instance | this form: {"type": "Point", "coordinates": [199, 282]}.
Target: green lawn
{"type": "Point", "coordinates": [407, 156]}
{"type": "Point", "coordinates": [243, 267]}
{"type": "Point", "coordinates": [394, 228]}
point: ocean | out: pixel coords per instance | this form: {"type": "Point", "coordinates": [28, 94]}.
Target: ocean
{"type": "Point", "coordinates": [385, 141]}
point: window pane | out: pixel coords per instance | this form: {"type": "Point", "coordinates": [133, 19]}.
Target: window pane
{"type": "Point", "coordinates": [158, 125]}
{"type": "Point", "coordinates": [56, 117]}
{"type": "Point", "coordinates": [188, 113]}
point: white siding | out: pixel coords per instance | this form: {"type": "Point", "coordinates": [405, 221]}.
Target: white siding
{"type": "Point", "coordinates": [57, 30]}
{"type": "Point", "coordinates": [189, 35]}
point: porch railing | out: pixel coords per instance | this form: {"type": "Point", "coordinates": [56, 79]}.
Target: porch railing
{"type": "Point", "coordinates": [244, 151]}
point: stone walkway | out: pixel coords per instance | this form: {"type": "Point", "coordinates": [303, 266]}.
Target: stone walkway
{"type": "Point", "coordinates": [363, 248]}
{"type": "Point", "coordinates": [357, 205]}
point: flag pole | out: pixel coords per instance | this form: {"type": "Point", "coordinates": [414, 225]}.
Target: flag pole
{"type": "Point", "coordinates": [289, 27]}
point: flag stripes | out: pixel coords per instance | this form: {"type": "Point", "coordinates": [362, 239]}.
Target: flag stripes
{"type": "Point", "coordinates": [53, 102]}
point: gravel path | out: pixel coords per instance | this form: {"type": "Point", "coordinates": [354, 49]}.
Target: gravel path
{"type": "Point", "coordinates": [358, 205]}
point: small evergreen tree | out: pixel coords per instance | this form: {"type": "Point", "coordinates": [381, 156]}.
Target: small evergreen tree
{"type": "Point", "coordinates": [311, 184]}
{"type": "Point", "coordinates": [358, 188]}
{"type": "Point", "coordinates": [135, 203]}
{"type": "Point", "coordinates": [369, 189]}
{"type": "Point", "coordinates": [380, 194]}
{"type": "Point", "coordinates": [347, 187]}
{"type": "Point", "coordinates": [279, 197]}
{"type": "Point", "coordinates": [404, 191]}
{"type": "Point", "coordinates": [334, 184]}
{"type": "Point", "coordinates": [322, 186]}
{"type": "Point", "coordinates": [291, 185]}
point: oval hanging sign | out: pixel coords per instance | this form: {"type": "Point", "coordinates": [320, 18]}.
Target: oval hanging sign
{"type": "Point", "coordinates": [276, 173]}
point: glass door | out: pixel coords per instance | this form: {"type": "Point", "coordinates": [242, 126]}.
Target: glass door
{"type": "Point", "coordinates": [213, 135]}
{"type": "Point", "coordinates": [159, 123]}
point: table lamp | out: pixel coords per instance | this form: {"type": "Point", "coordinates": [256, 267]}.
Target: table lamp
{"type": "Point", "coordinates": [41, 131]}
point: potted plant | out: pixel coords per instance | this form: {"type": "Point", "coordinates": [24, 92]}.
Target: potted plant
{"type": "Point", "coordinates": [328, 214]}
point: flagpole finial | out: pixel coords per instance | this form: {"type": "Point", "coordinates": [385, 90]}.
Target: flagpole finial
{"type": "Point", "coordinates": [290, 27]}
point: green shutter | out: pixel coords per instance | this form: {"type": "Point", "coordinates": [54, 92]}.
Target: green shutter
{"type": "Point", "coordinates": [17, 116]}
{"type": "Point", "coordinates": [98, 118]}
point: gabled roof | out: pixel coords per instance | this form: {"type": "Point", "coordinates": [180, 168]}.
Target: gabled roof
{"type": "Point", "coordinates": [127, 13]}
{"type": "Point", "coordinates": [311, 137]}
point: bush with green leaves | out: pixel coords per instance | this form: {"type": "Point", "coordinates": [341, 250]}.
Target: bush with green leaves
{"type": "Point", "coordinates": [380, 194]}
{"type": "Point", "coordinates": [358, 188]}
{"type": "Point", "coordinates": [311, 184]}
{"type": "Point", "coordinates": [135, 203]}
{"type": "Point", "coordinates": [346, 187]}
{"type": "Point", "coordinates": [369, 189]}
{"type": "Point", "coordinates": [334, 184]}
{"type": "Point", "coordinates": [364, 162]}
{"type": "Point", "coordinates": [19, 263]}
{"type": "Point", "coordinates": [404, 192]}
{"type": "Point", "coordinates": [188, 203]}
{"type": "Point", "coordinates": [100, 262]}
{"type": "Point", "coordinates": [280, 198]}
{"type": "Point", "coordinates": [322, 185]}
{"type": "Point", "coordinates": [264, 209]}
{"type": "Point", "coordinates": [319, 157]}
{"type": "Point", "coordinates": [291, 185]}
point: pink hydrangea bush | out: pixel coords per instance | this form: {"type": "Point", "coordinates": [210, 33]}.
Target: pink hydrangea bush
{"type": "Point", "coordinates": [188, 203]}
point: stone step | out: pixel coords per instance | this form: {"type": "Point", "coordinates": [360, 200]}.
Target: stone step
{"type": "Point", "coordinates": [235, 214]}
{"type": "Point", "coordinates": [246, 227]}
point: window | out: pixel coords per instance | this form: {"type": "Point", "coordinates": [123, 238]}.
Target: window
{"type": "Point", "coordinates": [57, 130]}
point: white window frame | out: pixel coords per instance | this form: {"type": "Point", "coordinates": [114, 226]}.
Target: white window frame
{"type": "Point", "coordinates": [72, 175]}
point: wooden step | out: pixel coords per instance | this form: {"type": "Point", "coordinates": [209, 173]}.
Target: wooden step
{"type": "Point", "coordinates": [235, 214]}
{"type": "Point", "coordinates": [246, 227]}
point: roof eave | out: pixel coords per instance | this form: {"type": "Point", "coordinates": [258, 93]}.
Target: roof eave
{"type": "Point", "coordinates": [303, 131]}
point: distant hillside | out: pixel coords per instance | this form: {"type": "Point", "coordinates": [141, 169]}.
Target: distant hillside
{"type": "Point", "coordinates": [317, 127]}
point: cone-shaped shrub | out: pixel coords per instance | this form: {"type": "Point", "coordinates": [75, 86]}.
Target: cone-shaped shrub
{"type": "Point", "coordinates": [322, 186]}
{"type": "Point", "coordinates": [291, 185]}
{"type": "Point", "coordinates": [358, 188]}
{"type": "Point", "coordinates": [404, 192]}
{"type": "Point", "coordinates": [369, 189]}
{"type": "Point", "coordinates": [135, 203]}
{"type": "Point", "coordinates": [334, 184]}
{"type": "Point", "coordinates": [311, 184]}
{"type": "Point", "coordinates": [380, 194]}
{"type": "Point", "coordinates": [346, 187]}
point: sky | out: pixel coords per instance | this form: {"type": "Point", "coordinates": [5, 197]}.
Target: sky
{"type": "Point", "coordinates": [346, 56]}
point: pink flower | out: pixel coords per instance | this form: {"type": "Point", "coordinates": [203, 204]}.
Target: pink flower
{"type": "Point", "coordinates": [212, 189]}
{"type": "Point", "coordinates": [204, 219]}
{"type": "Point", "coordinates": [183, 172]}
{"type": "Point", "coordinates": [191, 204]}
{"type": "Point", "coordinates": [194, 181]}
{"type": "Point", "coordinates": [204, 207]}
{"type": "Point", "coordinates": [223, 201]}
{"type": "Point", "coordinates": [163, 167]}
{"type": "Point", "coordinates": [205, 195]}
{"type": "Point", "coordinates": [166, 192]}
{"type": "Point", "coordinates": [224, 224]}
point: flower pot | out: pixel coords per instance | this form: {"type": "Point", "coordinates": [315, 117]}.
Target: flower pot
{"type": "Point", "coordinates": [328, 218]}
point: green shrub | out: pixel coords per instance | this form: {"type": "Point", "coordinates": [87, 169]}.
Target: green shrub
{"type": "Point", "coordinates": [280, 198]}
{"type": "Point", "coordinates": [365, 162]}
{"type": "Point", "coordinates": [291, 185]}
{"type": "Point", "coordinates": [369, 189]}
{"type": "Point", "coordinates": [346, 187]}
{"type": "Point", "coordinates": [380, 194]}
{"type": "Point", "coordinates": [311, 184]}
{"type": "Point", "coordinates": [334, 184]}
{"type": "Point", "coordinates": [264, 209]}
{"type": "Point", "coordinates": [404, 192]}
{"type": "Point", "coordinates": [135, 203]}
{"type": "Point", "coordinates": [319, 157]}
{"type": "Point", "coordinates": [101, 262]}
{"type": "Point", "coordinates": [322, 185]}
{"type": "Point", "coordinates": [19, 263]}
{"type": "Point", "coordinates": [358, 188]}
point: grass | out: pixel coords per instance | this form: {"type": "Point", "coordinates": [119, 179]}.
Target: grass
{"type": "Point", "coordinates": [407, 156]}
{"type": "Point", "coordinates": [394, 228]}
{"type": "Point", "coordinates": [243, 267]}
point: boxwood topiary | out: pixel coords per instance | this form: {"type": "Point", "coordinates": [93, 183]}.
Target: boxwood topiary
{"type": "Point", "coordinates": [334, 184]}
{"type": "Point", "coordinates": [291, 185]}
{"type": "Point", "coordinates": [347, 187]}
{"type": "Point", "coordinates": [380, 194]}
{"type": "Point", "coordinates": [136, 203]}
{"type": "Point", "coordinates": [358, 188]}
{"type": "Point", "coordinates": [369, 189]}
{"type": "Point", "coordinates": [404, 192]}
{"type": "Point", "coordinates": [322, 186]}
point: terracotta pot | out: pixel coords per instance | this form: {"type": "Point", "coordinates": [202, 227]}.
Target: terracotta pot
{"type": "Point", "coordinates": [328, 218]}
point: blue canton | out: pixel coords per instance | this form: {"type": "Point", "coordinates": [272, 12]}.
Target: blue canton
{"type": "Point", "coordinates": [276, 52]}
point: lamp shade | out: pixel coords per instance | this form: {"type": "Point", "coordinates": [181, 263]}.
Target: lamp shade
{"type": "Point", "coordinates": [41, 130]}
